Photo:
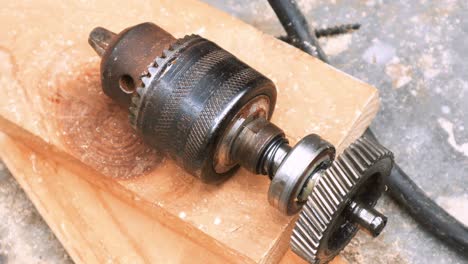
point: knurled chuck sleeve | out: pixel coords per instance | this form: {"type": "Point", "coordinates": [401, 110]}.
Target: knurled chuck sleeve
{"type": "Point", "coordinates": [188, 96]}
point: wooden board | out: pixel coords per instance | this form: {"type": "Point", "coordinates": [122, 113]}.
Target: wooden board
{"type": "Point", "coordinates": [50, 84]}
{"type": "Point", "coordinates": [95, 225]}
{"type": "Point", "coordinates": [104, 229]}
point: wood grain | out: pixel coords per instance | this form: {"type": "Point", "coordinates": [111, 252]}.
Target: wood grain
{"type": "Point", "coordinates": [96, 225]}
{"type": "Point", "coordinates": [50, 86]}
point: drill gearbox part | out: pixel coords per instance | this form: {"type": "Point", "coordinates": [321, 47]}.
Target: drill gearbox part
{"type": "Point", "coordinates": [210, 112]}
{"type": "Point", "coordinates": [343, 202]}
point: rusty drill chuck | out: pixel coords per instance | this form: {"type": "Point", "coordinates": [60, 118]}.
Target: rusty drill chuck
{"type": "Point", "coordinates": [209, 112]}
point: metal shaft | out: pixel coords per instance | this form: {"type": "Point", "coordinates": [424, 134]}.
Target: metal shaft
{"type": "Point", "coordinates": [100, 39]}
{"type": "Point", "coordinates": [260, 147]}
{"type": "Point", "coordinates": [368, 219]}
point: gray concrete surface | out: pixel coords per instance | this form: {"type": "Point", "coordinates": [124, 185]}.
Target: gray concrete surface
{"type": "Point", "coordinates": [24, 236]}
{"type": "Point", "coordinates": [415, 52]}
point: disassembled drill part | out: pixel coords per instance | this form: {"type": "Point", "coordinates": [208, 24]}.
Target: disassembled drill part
{"type": "Point", "coordinates": [342, 202]}
{"type": "Point", "coordinates": [210, 112]}
{"type": "Point", "coordinates": [207, 110]}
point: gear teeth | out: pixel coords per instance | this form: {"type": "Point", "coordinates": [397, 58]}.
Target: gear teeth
{"type": "Point", "coordinates": [168, 52]}
{"type": "Point", "coordinates": [152, 70]}
{"type": "Point", "coordinates": [159, 61]}
{"type": "Point", "coordinates": [146, 81]}
{"type": "Point", "coordinates": [330, 196]}
{"type": "Point", "coordinates": [148, 77]}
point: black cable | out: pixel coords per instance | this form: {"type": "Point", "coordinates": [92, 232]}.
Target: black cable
{"type": "Point", "coordinates": [401, 188]}
{"type": "Point", "coordinates": [424, 210]}
{"type": "Point", "coordinates": [295, 25]}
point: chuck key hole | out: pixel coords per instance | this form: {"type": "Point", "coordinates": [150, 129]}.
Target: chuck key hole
{"type": "Point", "coordinates": [126, 83]}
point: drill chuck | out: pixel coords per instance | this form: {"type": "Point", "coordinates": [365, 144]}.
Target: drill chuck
{"type": "Point", "coordinates": [205, 109]}
{"type": "Point", "coordinates": [189, 97]}
{"type": "Point", "coordinates": [210, 112]}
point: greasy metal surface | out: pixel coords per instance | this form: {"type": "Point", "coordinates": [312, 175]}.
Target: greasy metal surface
{"type": "Point", "coordinates": [369, 219]}
{"type": "Point", "coordinates": [302, 164]}
{"type": "Point", "coordinates": [415, 53]}
{"type": "Point", "coordinates": [226, 150]}
{"type": "Point", "coordinates": [253, 142]}
{"type": "Point", "coordinates": [356, 177]}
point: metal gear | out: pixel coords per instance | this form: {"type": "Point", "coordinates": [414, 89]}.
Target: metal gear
{"type": "Point", "coordinates": [157, 67]}
{"type": "Point", "coordinates": [342, 201]}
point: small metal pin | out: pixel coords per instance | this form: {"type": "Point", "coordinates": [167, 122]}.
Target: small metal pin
{"type": "Point", "coordinates": [368, 219]}
{"type": "Point", "coordinates": [99, 39]}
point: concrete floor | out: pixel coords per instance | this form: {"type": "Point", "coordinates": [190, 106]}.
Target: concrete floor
{"type": "Point", "coordinates": [415, 53]}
